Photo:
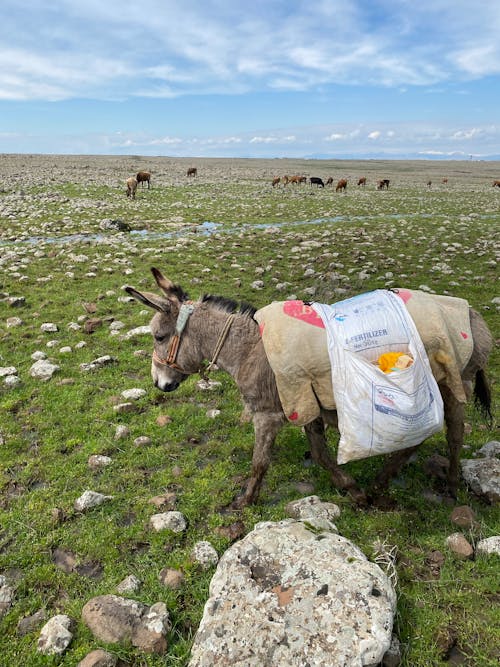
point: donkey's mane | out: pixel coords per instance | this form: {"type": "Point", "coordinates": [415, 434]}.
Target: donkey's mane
{"type": "Point", "coordinates": [229, 305]}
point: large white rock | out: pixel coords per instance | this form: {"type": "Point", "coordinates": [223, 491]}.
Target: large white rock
{"type": "Point", "coordinates": [290, 595]}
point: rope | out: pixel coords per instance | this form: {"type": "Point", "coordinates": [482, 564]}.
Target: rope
{"type": "Point", "coordinates": [220, 342]}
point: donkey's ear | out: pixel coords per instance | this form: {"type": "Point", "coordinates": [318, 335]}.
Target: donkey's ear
{"type": "Point", "coordinates": [163, 283]}
{"type": "Point", "coordinates": [151, 300]}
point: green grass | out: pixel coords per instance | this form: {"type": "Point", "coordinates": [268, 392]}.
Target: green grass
{"type": "Point", "coordinates": [445, 238]}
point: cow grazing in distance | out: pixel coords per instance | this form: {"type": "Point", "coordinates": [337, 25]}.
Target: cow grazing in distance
{"type": "Point", "coordinates": [144, 177]}
{"type": "Point", "coordinates": [315, 180]}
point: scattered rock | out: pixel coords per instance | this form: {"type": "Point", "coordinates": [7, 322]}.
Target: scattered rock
{"type": "Point", "coordinates": [48, 327]}
{"type": "Point", "coordinates": [122, 431]}
{"type": "Point", "coordinates": [490, 450]}
{"type": "Point", "coordinates": [55, 635]}
{"type": "Point", "coordinates": [163, 420]}
{"type": "Point", "coordinates": [490, 545]}
{"type": "Point", "coordinates": [98, 461]}
{"type": "Point", "coordinates": [166, 500]}
{"type": "Point", "coordinates": [483, 477]}
{"type": "Point", "coordinates": [130, 584]}
{"type": "Point", "coordinates": [43, 369]}
{"type": "Point", "coordinates": [463, 516]}
{"type": "Point", "coordinates": [90, 499]}
{"type": "Point", "coordinates": [314, 511]}
{"type": "Point", "coordinates": [29, 624]}
{"type": "Point", "coordinates": [6, 596]}
{"type": "Point", "coordinates": [133, 394]}
{"type": "Point", "coordinates": [173, 520]}
{"type": "Point", "coordinates": [459, 546]}
{"type": "Point", "coordinates": [98, 658]}
{"type": "Point", "coordinates": [97, 363]}
{"type": "Point", "coordinates": [92, 324]}
{"type": "Point", "coordinates": [171, 578]}
{"type": "Point", "coordinates": [116, 620]}
{"type": "Point", "coordinates": [142, 441]}
{"type": "Point", "coordinates": [204, 554]}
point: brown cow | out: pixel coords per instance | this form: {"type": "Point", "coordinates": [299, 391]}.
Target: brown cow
{"type": "Point", "coordinates": [192, 171]}
{"type": "Point", "coordinates": [362, 181]}
{"type": "Point", "coordinates": [445, 180]}
{"type": "Point", "coordinates": [329, 181]}
{"type": "Point", "coordinates": [341, 185]}
{"type": "Point", "coordinates": [276, 181]}
{"type": "Point", "coordinates": [496, 184]}
{"type": "Point", "coordinates": [131, 186]}
{"type": "Point", "coordinates": [285, 180]}
{"type": "Point", "coordinates": [384, 183]}
{"type": "Point", "coordinates": [144, 177]}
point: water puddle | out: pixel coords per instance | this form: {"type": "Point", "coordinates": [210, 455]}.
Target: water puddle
{"type": "Point", "coordinates": [209, 228]}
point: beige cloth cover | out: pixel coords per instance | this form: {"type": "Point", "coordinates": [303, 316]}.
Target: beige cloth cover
{"type": "Point", "coordinates": [295, 343]}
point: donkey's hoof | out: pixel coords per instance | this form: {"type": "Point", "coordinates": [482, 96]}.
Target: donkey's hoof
{"type": "Point", "coordinates": [359, 497]}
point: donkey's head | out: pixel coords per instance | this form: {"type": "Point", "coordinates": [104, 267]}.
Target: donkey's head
{"type": "Point", "coordinates": [167, 325]}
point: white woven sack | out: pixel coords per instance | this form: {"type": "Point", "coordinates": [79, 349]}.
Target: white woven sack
{"type": "Point", "coordinates": [378, 412]}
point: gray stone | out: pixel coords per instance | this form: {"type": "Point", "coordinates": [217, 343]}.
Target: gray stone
{"type": "Point", "coordinates": [48, 327]}
{"type": "Point", "coordinates": [311, 595]}
{"type": "Point", "coordinates": [97, 461]}
{"type": "Point", "coordinates": [204, 554]}
{"type": "Point", "coordinates": [133, 394]}
{"type": "Point", "coordinates": [173, 520]}
{"type": "Point", "coordinates": [30, 623]}
{"type": "Point", "coordinates": [97, 363]}
{"type": "Point", "coordinates": [490, 545]}
{"type": "Point", "coordinates": [130, 584]}
{"type": "Point", "coordinates": [55, 635]}
{"type": "Point", "coordinates": [314, 511]}
{"type": "Point", "coordinates": [483, 477]}
{"type": "Point", "coordinates": [490, 450]}
{"type": "Point", "coordinates": [90, 499]}
{"type": "Point", "coordinates": [6, 596]}
{"type": "Point", "coordinates": [43, 369]}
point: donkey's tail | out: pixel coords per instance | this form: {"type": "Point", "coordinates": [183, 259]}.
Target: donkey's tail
{"type": "Point", "coordinates": [482, 394]}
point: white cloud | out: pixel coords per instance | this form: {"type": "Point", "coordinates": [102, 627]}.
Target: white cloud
{"type": "Point", "coordinates": [374, 135]}
{"type": "Point", "coordinates": [170, 49]}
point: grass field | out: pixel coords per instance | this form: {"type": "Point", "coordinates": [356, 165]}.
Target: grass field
{"type": "Point", "coordinates": [228, 232]}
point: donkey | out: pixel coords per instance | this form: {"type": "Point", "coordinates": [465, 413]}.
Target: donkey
{"type": "Point", "coordinates": [188, 333]}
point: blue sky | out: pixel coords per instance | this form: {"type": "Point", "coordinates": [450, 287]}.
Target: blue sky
{"type": "Point", "coordinates": [355, 78]}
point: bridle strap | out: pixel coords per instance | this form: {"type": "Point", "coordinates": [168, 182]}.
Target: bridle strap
{"type": "Point", "coordinates": [220, 342]}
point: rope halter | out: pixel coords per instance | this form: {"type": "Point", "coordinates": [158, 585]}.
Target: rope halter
{"type": "Point", "coordinates": [185, 312]}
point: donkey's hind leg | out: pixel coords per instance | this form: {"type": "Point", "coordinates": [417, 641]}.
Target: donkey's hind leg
{"type": "Point", "coordinates": [315, 432]}
{"type": "Point", "coordinates": [266, 427]}
{"type": "Point", "coordinates": [454, 415]}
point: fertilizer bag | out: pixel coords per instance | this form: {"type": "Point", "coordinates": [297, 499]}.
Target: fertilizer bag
{"type": "Point", "coordinates": [378, 412]}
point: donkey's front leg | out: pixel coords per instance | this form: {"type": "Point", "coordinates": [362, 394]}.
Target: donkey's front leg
{"type": "Point", "coordinates": [266, 426]}
{"type": "Point", "coordinates": [315, 432]}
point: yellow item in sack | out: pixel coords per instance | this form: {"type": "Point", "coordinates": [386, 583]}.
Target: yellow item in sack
{"type": "Point", "coordinates": [391, 361]}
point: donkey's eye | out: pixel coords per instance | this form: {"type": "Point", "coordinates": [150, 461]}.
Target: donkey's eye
{"type": "Point", "coordinates": [159, 338]}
